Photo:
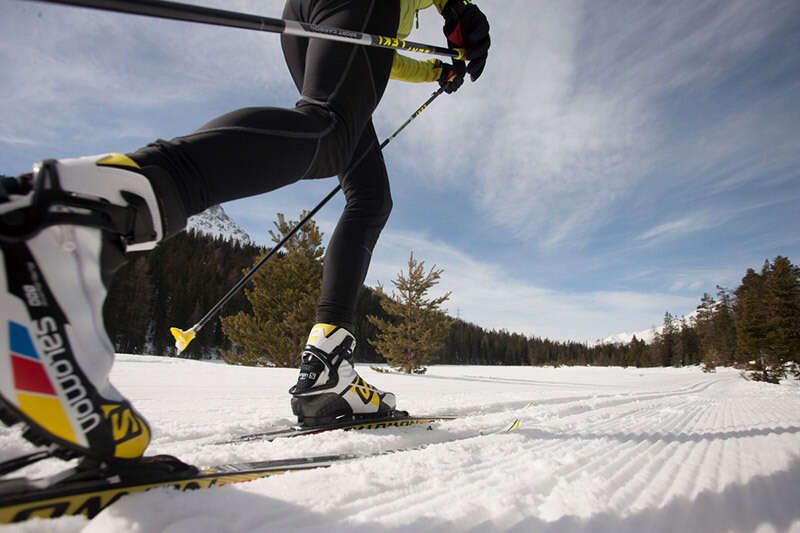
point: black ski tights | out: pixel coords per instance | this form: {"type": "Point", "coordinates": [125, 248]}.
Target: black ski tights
{"type": "Point", "coordinates": [259, 149]}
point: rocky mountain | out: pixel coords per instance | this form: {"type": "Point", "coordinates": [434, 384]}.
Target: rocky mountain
{"type": "Point", "coordinates": [646, 335]}
{"type": "Point", "coordinates": [215, 222]}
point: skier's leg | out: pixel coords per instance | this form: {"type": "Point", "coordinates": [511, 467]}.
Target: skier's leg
{"type": "Point", "coordinates": [57, 356]}
{"type": "Point", "coordinates": [369, 203]}
{"type": "Point", "coordinates": [329, 387]}
{"type": "Point", "coordinates": [256, 150]}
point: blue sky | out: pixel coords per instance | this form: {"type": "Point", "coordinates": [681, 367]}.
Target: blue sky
{"type": "Point", "coordinates": [616, 160]}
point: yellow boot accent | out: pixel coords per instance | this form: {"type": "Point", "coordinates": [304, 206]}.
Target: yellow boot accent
{"type": "Point", "coordinates": [131, 434]}
{"type": "Point", "coordinates": [48, 413]}
{"type": "Point", "coordinates": [320, 331]}
{"type": "Point", "coordinates": [118, 160]}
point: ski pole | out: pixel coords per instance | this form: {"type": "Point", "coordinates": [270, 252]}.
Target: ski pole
{"type": "Point", "coordinates": [231, 19]}
{"type": "Point", "coordinates": [183, 338]}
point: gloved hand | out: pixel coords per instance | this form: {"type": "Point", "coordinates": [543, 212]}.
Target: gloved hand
{"type": "Point", "coordinates": [452, 75]}
{"type": "Point", "coordinates": [465, 26]}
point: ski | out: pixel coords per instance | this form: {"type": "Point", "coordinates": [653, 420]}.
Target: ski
{"type": "Point", "coordinates": [71, 493]}
{"type": "Point", "coordinates": [345, 425]}
{"type": "Point", "coordinates": [87, 491]}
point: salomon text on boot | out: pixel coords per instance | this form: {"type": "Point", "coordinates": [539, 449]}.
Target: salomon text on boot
{"type": "Point", "coordinates": [64, 230]}
{"type": "Point", "coordinates": [329, 389]}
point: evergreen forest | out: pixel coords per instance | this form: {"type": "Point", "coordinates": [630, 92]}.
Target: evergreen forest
{"type": "Point", "coordinates": [756, 325]}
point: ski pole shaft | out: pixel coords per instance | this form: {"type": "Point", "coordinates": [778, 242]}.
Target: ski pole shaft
{"type": "Point", "coordinates": [231, 19]}
{"type": "Point", "coordinates": [252, 272]}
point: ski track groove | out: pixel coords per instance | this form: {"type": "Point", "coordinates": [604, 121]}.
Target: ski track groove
{"type": "Point", "coordinates": [651, 461]}
{"type": "Point", "coordinates": [613, 448]}
{"type": "Point", "coordinates": [594, 408]}
{"type": "Point", "coordinates": [423, 495]}
{"type": "Point", "coordinates": [574, 456]}
{"type": "Point", "coordinates": [703, 454]}
{"type": "Point", "coordinates": [671, 474]}
{"type": "Point", "coordinates": [183, 435]}
{"type": "Point", "coordinates": [599, 451]}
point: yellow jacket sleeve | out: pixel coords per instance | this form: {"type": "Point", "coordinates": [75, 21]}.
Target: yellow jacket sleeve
{"type": "Point", "coordinates": [405, 68]}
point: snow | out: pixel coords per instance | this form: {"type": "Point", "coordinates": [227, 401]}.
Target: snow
{"type": "Point", "coordinates": [215, 222]}
{"type": "Point", "coordinates": [601, 449]}
{"type": "Point", "coordinates": [646, 335]}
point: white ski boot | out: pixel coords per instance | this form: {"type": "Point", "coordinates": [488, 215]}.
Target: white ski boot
{"type": "Point", "coordinates": [63, 231]}
{"type": "Point", "coordinates": [329, 389]}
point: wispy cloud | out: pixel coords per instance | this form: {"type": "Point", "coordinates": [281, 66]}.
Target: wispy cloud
{"type": "Point", "coordinates": [604, 140]}
{"type": "Point", "coordinates": [83, 75]}
{"type": "Point", "coordinates": [485, 293]}
{"type": "Point", "coordinates": [706, 219]}
{"type": "Point", "coordinates": [683, 226]}
{"type": "Point", "coordinates": [583, 120]}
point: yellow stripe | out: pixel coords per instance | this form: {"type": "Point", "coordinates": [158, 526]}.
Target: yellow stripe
{"type": "Point", "coordinates": [91, 503]}
{"type": "Point", "coordinates": [327, 329]}
{"type": "Point", "coordinates": [320, 332]}
{"type": "Point", "coordinates": [378, 424]}
{"type": "Point", "coordinates": [48, 413]}
{"type": "Point", "coordinates": [117, 160]}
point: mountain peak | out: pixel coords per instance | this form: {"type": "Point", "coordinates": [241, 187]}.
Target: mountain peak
{"type": "Point", "coordinates": [215, 222]}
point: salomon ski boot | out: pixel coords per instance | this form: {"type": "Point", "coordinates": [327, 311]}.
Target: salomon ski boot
{"type": "Point", "coordinates": [64, 230]}
{"type": "Point", "coordinates": [329, 389]}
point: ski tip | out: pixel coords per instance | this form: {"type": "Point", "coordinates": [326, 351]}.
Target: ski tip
{"type": "Point", "coordinates": [530, 405]}
{"type": "Point", "coordinates": [182, 338]}
{"type": "Point", "coordinates": [513, 427]}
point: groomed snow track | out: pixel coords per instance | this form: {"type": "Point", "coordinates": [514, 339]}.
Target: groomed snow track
{"type": "Point", "coordinates": [627, 450]}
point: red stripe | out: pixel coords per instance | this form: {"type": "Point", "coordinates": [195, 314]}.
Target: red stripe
{"type": "Point", "coordinates": [29, 376]}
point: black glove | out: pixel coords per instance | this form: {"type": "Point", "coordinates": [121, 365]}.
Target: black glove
{"type": "Point", "coordinates": [465, 26]}
{"type": "Point", "coordinates": [452, 75]}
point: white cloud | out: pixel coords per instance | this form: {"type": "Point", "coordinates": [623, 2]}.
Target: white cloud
{"type": "Point", "coordinates": [77, 73]}
{"type": "Point", "coordinates": [568, 118]}
{"type": "Point", "coordinates": [705, 219]}
{"type": "Point", "coordinates": [683, 226]}
{"type": "Point", "coordinates": [485, 294]}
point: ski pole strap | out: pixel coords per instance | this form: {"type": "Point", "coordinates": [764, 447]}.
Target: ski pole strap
{"type": "Point", "coordinates": [231, 19]}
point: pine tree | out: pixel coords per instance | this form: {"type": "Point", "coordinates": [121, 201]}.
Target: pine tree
{"type": "Point", "coordinates": [637, 352]}
{"type": "Point", "coordinates": [667, 342]}
{"type": "Point", "coordinates": [751, 320]}
{"type": "Point", "coordinates": [782, 297]}
{"type": "Point", "coordinates": [283, 298]}
{"type": "Point", "coordinates": [724, 327]}
{"type": "Point", "coordinates": [128, 308]}
{"type": "Point", "coordinates": [704, 324]}
{"type": "Point", "coordinates": [416, 329]}
{"type": "Point", "coordinates": [750, 316]}
{"type": "Point", "coordinates": [688, 345]}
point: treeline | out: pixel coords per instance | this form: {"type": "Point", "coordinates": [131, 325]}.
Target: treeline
{"type": "Point", "coordinates": [174, 285]}
{"type": "Point", "coordinates": [182, 278]}
{"type": "Point", "coordinates": [756, 327]}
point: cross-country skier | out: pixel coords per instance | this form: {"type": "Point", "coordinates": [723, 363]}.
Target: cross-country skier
{"type": "Point", "coordinates": [65, 228]}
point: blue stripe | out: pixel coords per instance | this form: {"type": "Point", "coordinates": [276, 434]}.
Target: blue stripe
{"type": "Point", "coordinates": [20, 340]}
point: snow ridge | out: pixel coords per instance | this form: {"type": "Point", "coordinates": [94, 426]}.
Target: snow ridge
{"type": "Point", "coordinates": [599, 450]}
{"type": "Point", "coordinates": [215, 222]}
{"type": "Point", "coordinates": [646, 335]}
